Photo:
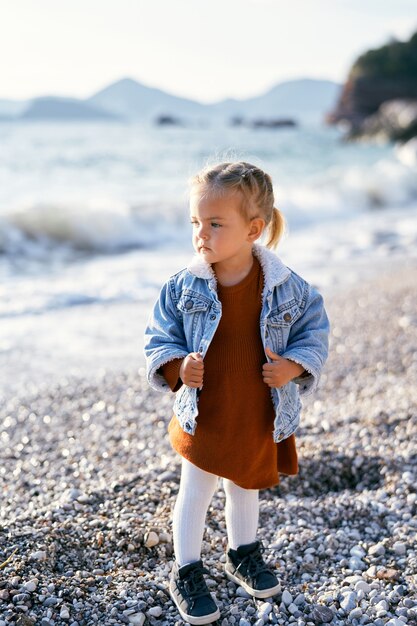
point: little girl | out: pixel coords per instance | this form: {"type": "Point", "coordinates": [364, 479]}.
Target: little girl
{"type": "Point", "coordinates": [239, 336]}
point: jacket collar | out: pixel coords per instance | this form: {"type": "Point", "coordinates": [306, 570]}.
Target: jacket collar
{"type": "Point", "coordinates": [274, 270]}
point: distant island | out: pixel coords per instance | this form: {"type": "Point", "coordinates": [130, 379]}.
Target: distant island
{"type": "Point", "coordinates": [286, 104]}
{"type": "Point", "coordinates": [379, 98]}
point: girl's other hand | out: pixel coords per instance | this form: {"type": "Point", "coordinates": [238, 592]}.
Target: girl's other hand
{"type": "Point", "coordinates": [192, 370]}
{"type": "Point", "coordinates": [280, 371]}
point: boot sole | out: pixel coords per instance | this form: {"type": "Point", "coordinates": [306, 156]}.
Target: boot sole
{"type": "Point", "coordinates": [256, 593]}
{"type": "Point", "coordinates": [196, 621]}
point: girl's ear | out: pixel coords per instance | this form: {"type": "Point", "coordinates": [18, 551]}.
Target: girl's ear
{"type": "Point", "coordinates": [257, 225]}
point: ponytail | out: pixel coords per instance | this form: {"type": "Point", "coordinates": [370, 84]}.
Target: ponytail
{"type": "Point", "coordinates": [275, 228]}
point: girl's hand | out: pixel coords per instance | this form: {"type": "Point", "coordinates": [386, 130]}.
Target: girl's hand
{"type": "Point", "coordinates": [192, 370]}
{"type": "Point", "coordinates": [280, 371]}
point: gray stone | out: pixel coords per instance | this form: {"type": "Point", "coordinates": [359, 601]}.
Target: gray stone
{"type": "Point", "coordinates": [31, 585]}
{"type": "Point", "coordinates": [377, 549]}
{"type": "Point", "coordinates": [322, 614]}
{"type": "Point", "coordinates": [356, 563]}
{"type": "Point", "coordinates": [242, 593]}
{"type": "Point", "coordinates": [264, 610]}
{"type": "Point", "coordinates": [399, 547]}
{"type": "Point", "coordinates": [286, 597]}
{"type": "Point", "coordinates": [355, 613]}
{"type": "Point", "coordinates": [64, 612]}
{"type": "Point", "coordinates": [39, 555]}
{"type": "Point", "coordinates": [362, 585]}
{"type": "Point", "coordinates": [348, 601]}
{"type": "Point", "coordinates": [357, 551]}
{"type": "Point", "coordinates": [137, 619]}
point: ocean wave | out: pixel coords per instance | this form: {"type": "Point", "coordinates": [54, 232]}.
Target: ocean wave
{"type": "Point", "coordinates": [340, 192]}
{"type": "Point", "coordinates": [72, 229]}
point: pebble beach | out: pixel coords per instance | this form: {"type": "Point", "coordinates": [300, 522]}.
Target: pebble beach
{"type": "Point", "coordinates": [88, 483]}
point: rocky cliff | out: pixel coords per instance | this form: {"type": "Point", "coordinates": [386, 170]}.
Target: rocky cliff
{"type": "Point", "coordinates": [376, 78]}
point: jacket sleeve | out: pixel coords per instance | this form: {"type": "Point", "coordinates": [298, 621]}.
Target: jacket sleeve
{"type": "Point", "coordinates": [308, 341]}
{"type": "Point", "coordinates": [164, 337]}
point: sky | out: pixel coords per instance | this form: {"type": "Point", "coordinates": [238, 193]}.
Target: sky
{"type": "Point", "coordinates": [204, 50]}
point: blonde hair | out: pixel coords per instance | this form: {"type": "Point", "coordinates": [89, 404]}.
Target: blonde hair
{"type": "Point", "coordinates": [255, 187]}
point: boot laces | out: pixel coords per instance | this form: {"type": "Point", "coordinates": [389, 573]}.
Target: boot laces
{"type": "Point", "coordinates": [253, 562]}
{"type": "Point", "coordinates": [195, 584]}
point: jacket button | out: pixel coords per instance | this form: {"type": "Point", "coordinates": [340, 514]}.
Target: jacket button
{"type": "Point", "coordinates": [280, 437]}
{"type": "Point", "coordinates": [212, 316]}
{"type": "Point", "coordinates": [189, 305]}
{"type": "Point", "coordinates": [287, 317]}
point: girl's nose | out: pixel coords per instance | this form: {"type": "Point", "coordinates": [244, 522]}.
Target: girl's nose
{"type": "Point", "coordinates": [202, 233]}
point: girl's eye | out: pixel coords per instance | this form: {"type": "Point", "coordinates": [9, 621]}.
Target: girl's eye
{"type": "Point", "coordinates": [215, 225]}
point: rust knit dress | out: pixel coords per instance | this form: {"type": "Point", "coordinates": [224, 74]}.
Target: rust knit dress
{"type": "Point", "coordinates": [233, 438]}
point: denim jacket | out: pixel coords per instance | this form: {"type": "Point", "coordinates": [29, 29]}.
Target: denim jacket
{"type": "Point", "coordinates": [293, 323]}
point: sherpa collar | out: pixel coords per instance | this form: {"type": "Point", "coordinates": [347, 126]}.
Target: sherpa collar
{"type": "Point", "coordinates": [274, 270]}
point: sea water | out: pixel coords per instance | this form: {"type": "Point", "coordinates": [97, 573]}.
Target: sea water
{"type": "Point", "coordinates": [94, 217]}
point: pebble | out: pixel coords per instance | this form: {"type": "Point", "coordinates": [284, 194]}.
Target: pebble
{"type": "Point", "coordinates": [382, 605]}
{"type": "Point", "coordinates": [155, 611]}
{"type": "Point", "coordinates": [399, 547]}
{"type": "Point", "coordinates": [362, 585]}
{"type": "Point", "coordinates": [357, 551]}
{"type": "Point", "coordinates": [39, 555]}
{"type": "Point", "coordinates": [356, 563]}
{"type": "Point", "coordinates": [341, 535]}
{"type": "Point", "coordinates": [64, 613]}
{"type": "Point", "coordinates": [264, 610]}
{"type": "Point", "coordinates": [286, 597]}
{"type": "Point", "coordinates": [348, 601]}
{"type": "Point", "coordinates": [151, 539]}
{"type": "Point", "coordinates": [137, 619]}
{"type": "Point", "coordinates": [376, 550]}
{"type": "Point", "coordinates": [355, 613]}
{"type": "Point", "coordinates": [322, 614]}
{"type": "Point", "coordinates": [242, 593]}
{"type": "Point", "coordinates": [31, 585]}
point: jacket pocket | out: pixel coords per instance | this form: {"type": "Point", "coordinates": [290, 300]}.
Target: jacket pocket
{"type": "Point", "coordinates": [192, 302]}
{"type": "Point", "coordinates": [193, 308]}
{"type": "Point", "coordinates": [279, 322]}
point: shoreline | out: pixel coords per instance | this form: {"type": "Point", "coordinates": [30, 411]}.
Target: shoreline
{"type": "Point", "coordinates": [89, 481]}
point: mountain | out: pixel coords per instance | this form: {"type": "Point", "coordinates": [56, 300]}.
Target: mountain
{"type": "Point", "coordinates": [132, 100]}
{"type": "Point", "coordinates": [304, 99]}
{"type": "Point", "coordinates": [51, 108]}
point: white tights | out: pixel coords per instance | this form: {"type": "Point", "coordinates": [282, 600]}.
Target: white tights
{"type": "Point", "coordinates": [196, 491]}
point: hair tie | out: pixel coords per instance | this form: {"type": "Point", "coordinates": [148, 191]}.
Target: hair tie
{"type": "Point", "coordinates": [248, 171]}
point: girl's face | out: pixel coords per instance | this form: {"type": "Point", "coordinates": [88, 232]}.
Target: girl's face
{"type": "Point", "coordinates": [220, 232]}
